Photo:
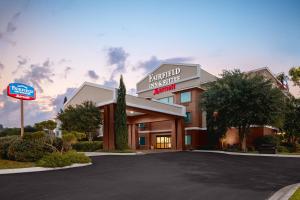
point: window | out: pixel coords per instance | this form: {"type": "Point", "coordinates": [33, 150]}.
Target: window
{"type": "Point", "coordinates": [166, 100]}
{"type": "Point", "coordinates": [188, 117]}
{"type": "Point", "coordinates": [163, 142]}
{"type": "Point", "coordinates": [141, 125]}
{"type": "Point", "coordinates": [142, 140]}
{"type": "Point", "coordinates": [188, 139]}
{"type": "Point", "coordinates": [185, 97]}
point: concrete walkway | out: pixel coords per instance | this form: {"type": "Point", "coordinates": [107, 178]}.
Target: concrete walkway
{"type": "Point", "coordinates": [285, 193]}
{"type": "Point", "coordinates": [39, 169]}
{"type": "Point", "coordinates": [248, 154]}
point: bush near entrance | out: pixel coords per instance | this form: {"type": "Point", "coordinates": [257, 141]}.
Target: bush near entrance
{"type": "Point", "coordinates": [87, 146]}
{"type": "Point", "coordinates": [57, 159]}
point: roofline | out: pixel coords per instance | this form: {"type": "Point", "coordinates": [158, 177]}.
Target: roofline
{"type": "Point", "coordinates": [266, 68]}
{"type": "Point", "coordinates": [188, 88]}
{"type": "Point", "coordinates": [114, 99]}
{"type": "Point", "coordinates": [88, 84]}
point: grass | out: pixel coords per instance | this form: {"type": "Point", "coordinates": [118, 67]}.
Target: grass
{"type": "Point", "coordinates": [296, 195]}
{"type": "Point", "coordinates": [9, 164]}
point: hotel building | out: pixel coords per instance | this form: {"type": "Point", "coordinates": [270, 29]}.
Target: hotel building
{"type": "Point", "coordinates": [166, 113]}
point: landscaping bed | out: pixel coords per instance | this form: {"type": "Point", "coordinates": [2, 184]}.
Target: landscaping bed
{"type": "Point", "coordinates": [296, 195]}
{"type": "Point", "coordinates": [9, 164]}
{"type": "Point", "coordinates": [39, 149]}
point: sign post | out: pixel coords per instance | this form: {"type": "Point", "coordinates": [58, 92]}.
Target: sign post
{"type": "Point", "coordinates": [22, 92]}
{"type": "Point", "coordinates": [22, 118]}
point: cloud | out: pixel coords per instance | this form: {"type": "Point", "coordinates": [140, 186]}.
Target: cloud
{"type": "Point", "coordinates": [38, 74]}
{"type": "Point", "coordinates": [92, 74]}
{"type": "Point", "coordinates": [11, 27]}
{"type": "Point", "coordinates": [67, 71]}
{"type": "Point", "coordinates": [21, 62]}
{"type": "Point", "coordinates": [58, 101]}
{"type": "Point", "coordinates": [116, 57]}
{"type": "Point", "coordinates": [111, 83]}
{"type": "Point", "coordinates": [1, 66]}
{"type": "Point", "coordinates": [44, 108]}
{"type": "Point", "coordinates": [10, 111]}
{"type": "Point", "coordinates": [153, 62]}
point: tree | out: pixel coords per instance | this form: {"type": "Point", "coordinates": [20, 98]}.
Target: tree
{"type": "Point", "coordinates": [121, 130]}
{"type": "Point", "coordinates": [85, 117]}
{"type": "Point", "coordinates": [48, 125]}
{"type": "Point", "coordinates": [292, 121]}
{"type": "Point", "coordinates": [240, 100]}
{"type": "Point", "coordinates": [65, 100]}
{"type": "Point", "coordinates": [295, 75]}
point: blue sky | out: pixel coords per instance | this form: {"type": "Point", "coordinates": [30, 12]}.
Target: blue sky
{"type": "Point", "coordinates": [57, 45]}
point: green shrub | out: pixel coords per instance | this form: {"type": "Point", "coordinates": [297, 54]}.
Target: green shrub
{"type": "Point", "coordinates": [4, 145]}
{"type": "Point", "coordinates": [88, 146]}
{"type": "Point", "coordinates": [283, 149]}
{"type": "Point", "coordinates": [266, 139]}
{"type": "Point", "coordinates": [75, 157]}
{"type": "Point", "coordinates": [57, 159]}
{"type": "Point", "coordinates": [78, 135]}
{"type": "Point", "coordinates": [39, 135]}
{"type": "Point", "coordinates": [28, 150]}
{"type": "Point", "coordinates": [68, 140]}
{"type": "Point", "coordinates": [57, 143]}
{"type": "Point", "coordinates": [54, 159]}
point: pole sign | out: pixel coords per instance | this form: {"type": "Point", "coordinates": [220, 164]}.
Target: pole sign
{"type": "Point", "coordinates": [21, 91]}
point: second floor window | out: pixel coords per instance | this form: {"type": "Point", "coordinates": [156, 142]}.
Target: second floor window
{"type": "Point", "coordinates": [167, 100]}
{"type": "Point", "coordinates": [185, 97]}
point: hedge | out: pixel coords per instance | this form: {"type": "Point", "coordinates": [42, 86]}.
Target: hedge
{"type": "Point", "coordinates": [88, 146]}
{"type": "Point", "coordinates": [57, 159]}
{"type": "Point", "coordinates": [28, 150]}
{"type": "Point", "coordinates": [54, 159]}
{"type": "Point", "coordinates": [4, 145]}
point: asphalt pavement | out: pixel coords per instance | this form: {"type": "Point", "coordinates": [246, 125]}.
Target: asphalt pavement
{"type": "Point", "coordinates": [174, 175]}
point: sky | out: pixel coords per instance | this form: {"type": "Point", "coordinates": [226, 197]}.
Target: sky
{"type": "Point", "coordinates": [56, 45]}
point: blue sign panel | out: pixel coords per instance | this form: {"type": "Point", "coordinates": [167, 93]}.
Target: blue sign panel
{"type": "Point", "coordinates": [21, 91]}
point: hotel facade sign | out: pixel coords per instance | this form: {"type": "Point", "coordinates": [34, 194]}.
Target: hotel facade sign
{"type": "Point", "coordinates": [165, 78]}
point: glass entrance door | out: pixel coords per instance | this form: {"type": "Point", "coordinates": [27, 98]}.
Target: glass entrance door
{"type": "Point", "coordinates": [163, 142]}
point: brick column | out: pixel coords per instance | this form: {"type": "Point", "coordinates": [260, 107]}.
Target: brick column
{"type": "Point", "coordinates": [180, 134]}
{"type": "Point", "coordinates": [109, 130]}
{"type": "Point", "coordinates": [173, 134]}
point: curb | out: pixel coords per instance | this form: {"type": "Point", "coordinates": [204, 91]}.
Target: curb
{"type": "Point", "coordinates": [39, 169]}
{"type": "Point", "coordinates": [285, 193]}
{"type": "Point", "coordinates": [92, 154]}
{"type": "Point", "coordinates": [247, 154]}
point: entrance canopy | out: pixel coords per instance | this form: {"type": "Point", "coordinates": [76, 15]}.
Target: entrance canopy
{"type": "Point", "coordinates": [102, 95]}
{"type": "Point", "coordinates": [161, 121]}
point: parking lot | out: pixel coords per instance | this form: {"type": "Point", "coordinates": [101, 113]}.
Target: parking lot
{"type": "Point", "coordinates": [173, 175]}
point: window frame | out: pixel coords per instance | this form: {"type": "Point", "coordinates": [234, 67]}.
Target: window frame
{"type": "Point", "coordinates": [168, 99]}
{"type": "Point", "coordinates": [190, 92]}
{"type": "Point", "coordinates": [185, 140]}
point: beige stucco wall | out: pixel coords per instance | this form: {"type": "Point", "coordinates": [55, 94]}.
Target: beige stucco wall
{"type": "Point", "coordinates": [186, 71]}
{"type": "Point", "coordinates": [190, 76]}
{"type": "Point", "coordinates": [154, 105]}
{"type": "Point", "coordinates": [91, 93]}
{"type": "Point", "coordinates": [99, 95]}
